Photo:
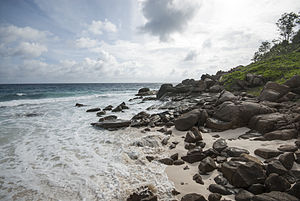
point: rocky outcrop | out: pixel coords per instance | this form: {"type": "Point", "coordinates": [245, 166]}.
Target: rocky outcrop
{"type": "Point", "coordinates": [145, 92]}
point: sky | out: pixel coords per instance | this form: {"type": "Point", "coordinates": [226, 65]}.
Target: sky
{"type": "Point", "coordinates": [87, 41]}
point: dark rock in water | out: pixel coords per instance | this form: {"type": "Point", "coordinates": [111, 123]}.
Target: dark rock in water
{"type": "Point", "coordinates": [287, 148]}
{"type": "Point", "coordinates": [207, 165]}
{"type": "Point", "coordinates": [285, 134]}
{"type": "Point", "coordinates": [216, 188]}
{"type": "Point", "coordinates": [265, 123]}
{"type": "Point", "coordinates": [193, 197]}
{"type": "Point", "coordinates": [166, 161]}
{"type": "Point", "coordinates": [93, 109]}
{"type": "Point", "coordinates": [295, 190]}
{"type": "Point", "coordinates": [287, 160]}
{"type": "Point", "coordinates": [112, 124]}
{"type": "Point", "coordinates": [142, 194]}
{"type": "Point", "coordinates": [143, 90]}
{"type": "Point", "coordinates": [109, 107]}
{"type": "Point", "coordinates": [79, 105]}
{"type": "Point", "coordinates": [99, 114]}
{"type": "Point", "coordinates": [150, 158]}
{"type": "Point", "coordinates": [247, 174]}
{"type": "Point", "coordinates": [118, 109]}
{"type": "Point", "coordinates": [235, 151]}
{"type": "Point", "coordinates": [274, 196]}
{"type": "Point", "coordinates": [108, 118]}
{"type": "Point", "coordinates": [214, 197]}
{"type": "Point", "coordinates": [179, 162]}
{"type": "Point", "coordinates": [219, 145]}
{"type": "Point", "coordinates": [276, 167]}
{"type": "Point", "coordinates": [190, 119]}
{"type": "Point", "coordinates": [274, 182]}
{"type": "Point", "coordinates": [32, 115]}
{"type": "Point", "coordinates": [198, 179]}
{"type": "Point", "coordinates": [221, 180]}
{"type": "Point", "coordinates": [257, 189]}
{"type": "Point", "coordinates": [267, 153]}
{"type": "Point", "coordinates": [243, 195]}
{"type": "Point", "coordinates": [165, 141]}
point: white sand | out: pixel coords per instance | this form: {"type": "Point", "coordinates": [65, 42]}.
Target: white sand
{"type": "Point", "coordinates": [183, 179]}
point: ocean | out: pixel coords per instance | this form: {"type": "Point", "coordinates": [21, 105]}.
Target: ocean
{"type": "Point", "coordinates": [49, 150]}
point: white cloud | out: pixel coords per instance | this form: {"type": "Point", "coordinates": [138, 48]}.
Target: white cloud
{"type": "Point", "coordinates": [98, 27]}
{"type": "Point", "coordinates": [12, 33]}
{"type": "Point", "coordinates": [85, 42]}
{"type": "Point", "coordinates": [26, 49]}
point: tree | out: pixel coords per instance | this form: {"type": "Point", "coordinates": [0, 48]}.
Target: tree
{"type": "Point", "coordinates": [262, 50]}
{"type": "Point", "coordinates": [286, 24]}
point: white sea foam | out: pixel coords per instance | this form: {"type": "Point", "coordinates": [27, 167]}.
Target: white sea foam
{"type": "Point", "coordinates": [59, 156]}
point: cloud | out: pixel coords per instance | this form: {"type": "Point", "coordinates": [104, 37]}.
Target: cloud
{"type": "Point", "coordinates": [165, 17]}
{"type": "Point", "coordinates": [192, 55]}
{"type": "Point", "coordinates": [29, 50]}
{"type": "Point", "coordinates": [13, 33]}
{"type": "Point", "coordinates": [85, 42]}
{"type": "Point", "coordinates": [98, 27]}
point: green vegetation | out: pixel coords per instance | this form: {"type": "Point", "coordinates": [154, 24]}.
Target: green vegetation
{"type": "Point", "coordinates": [275, 63]}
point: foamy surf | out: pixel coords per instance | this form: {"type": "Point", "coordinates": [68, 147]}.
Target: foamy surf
{"type": "Point", "coordinates": [57, 155]}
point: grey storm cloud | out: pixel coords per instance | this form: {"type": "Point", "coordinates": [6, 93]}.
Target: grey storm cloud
{"type": "Point", "coordinates": [165, 17]}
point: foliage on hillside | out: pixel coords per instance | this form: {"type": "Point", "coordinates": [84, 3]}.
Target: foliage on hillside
{"type": "Point", "coordinates": [278, 69]}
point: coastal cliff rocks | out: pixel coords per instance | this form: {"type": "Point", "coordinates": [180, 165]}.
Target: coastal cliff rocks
{"type": "Point", "coordinates": [146, 92]}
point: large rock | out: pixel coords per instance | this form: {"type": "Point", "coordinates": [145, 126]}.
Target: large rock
{"type": "Point", "coordinates": [240, 113]}
{"type": "Point", "coordinates": [193, 197]}
{"type": "Point", "coordinates": [295, 190]}
{"type": "Point", "coordinates": [285, 134]}
{"type": "Point", "coordinates": [274, 196]}
{"type": "Point", "coordinates": [243, 195]}
{"type": "Point", "coordinates": [216, 88]}
{"type": "Point", "coordinates": [216, 188]}
{"type": "Point", "coordinates": [226, 96]}
{"type": "Point", "coordinates": [248, 174]}
{"type": "Point", "coordinates": [274, 182]}
{"type": "Point", "coordinates": [113, 124]}
{"type": "Point", "coordinates": [275, 166]}
{"type": "Point", "coordinates": [272, 91]}
{"type": "Point", "coordinates": [218, 124]}
{"type": "Point", "coordinates": [190, 119]}
{"type": "Point", "coordinates": [229, 169]}
{"type": "Point", "coordinates": [265, 123]}
{"type": "Point", "coordinates": [219, 145]}
{"type": "Point", "coordinates": [267, 153]}
{"type": "Point", "coordinates": [254, 80]}
{"type": "Point", "coordinates": [191, 137]}
{"type": "Point", "coordinates": [207, 165]}
{"type": "Point", "coordinates": [164, 89]}
{"type": "Point", "coordinates": [287, 160]}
